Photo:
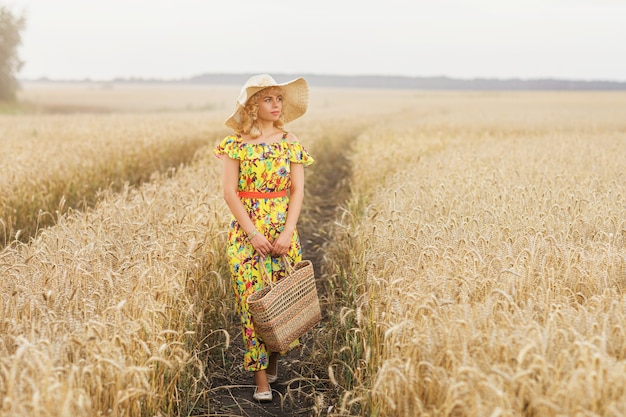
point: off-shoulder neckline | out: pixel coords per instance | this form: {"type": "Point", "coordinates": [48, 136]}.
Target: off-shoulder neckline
{"type": "Point", "coordinates": [283, 139]}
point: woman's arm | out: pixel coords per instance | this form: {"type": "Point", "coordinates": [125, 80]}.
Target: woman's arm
{"type": "Point", "coordinates": [230, 184]}
{"type": "Point", "coordinates": [296, 195]}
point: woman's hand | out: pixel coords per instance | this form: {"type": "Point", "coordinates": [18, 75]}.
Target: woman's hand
{"type": "Point", "coordinates": [261, 245]}
{"type": "Point", "coordinates": [282, 244]}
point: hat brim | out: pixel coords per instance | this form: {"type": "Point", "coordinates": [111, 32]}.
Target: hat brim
{"type": "Point", "coordinates": [295, 101]}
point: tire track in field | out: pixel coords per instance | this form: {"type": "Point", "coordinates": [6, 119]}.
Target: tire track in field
{"type": "Point", "coordinates": [303, 372]}
{"type": "Point", "coordinates": [327, 188]}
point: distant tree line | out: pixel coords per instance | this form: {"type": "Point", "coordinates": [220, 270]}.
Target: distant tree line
{"type": "Point", "coordinates": [11, 27]}
{"type": "Point", "coordinates": [423, 83]}
{"type": "Point", "coordinates": [397, 82]}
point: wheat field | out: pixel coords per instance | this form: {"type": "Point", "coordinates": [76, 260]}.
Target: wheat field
{"type": "Point", "coordinates": [487, 261]}
{"type": "Point", "coordinates": [472, 261]}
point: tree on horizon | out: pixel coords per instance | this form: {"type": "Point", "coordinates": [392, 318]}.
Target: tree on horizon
{"type": "Point", "coordinates": [11, 27]}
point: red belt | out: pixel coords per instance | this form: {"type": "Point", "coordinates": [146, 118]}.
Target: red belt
{"type": "Point", "coordinates": [258, 194]}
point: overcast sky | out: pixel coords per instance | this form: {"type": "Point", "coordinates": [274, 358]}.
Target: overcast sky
{"type": "Point", "coordinates": [105, 39]}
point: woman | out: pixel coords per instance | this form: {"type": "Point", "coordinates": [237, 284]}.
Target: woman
{"type": "Point", "coordinates": [263, 180]}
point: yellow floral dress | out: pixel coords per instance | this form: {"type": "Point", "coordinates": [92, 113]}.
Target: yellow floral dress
{"type": "Point", "coordinates": [262, 168]}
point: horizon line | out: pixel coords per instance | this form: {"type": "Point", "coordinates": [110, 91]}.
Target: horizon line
{"type": "Point", "coordinates": [352, 76]}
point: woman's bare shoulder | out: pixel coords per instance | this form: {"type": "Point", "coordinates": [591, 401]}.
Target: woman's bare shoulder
{"type": "Point", "coordinates": [291, 138]}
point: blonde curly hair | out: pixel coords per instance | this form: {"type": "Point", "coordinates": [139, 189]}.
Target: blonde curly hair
{"type": "Point", "coordinates": [249, 113]}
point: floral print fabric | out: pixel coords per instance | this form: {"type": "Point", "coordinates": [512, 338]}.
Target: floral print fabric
{"type": "Point", "coordinates": [262, 168]}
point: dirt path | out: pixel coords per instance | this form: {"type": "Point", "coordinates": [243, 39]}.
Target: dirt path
{"type": "Point", "coordinates": [302, 389]}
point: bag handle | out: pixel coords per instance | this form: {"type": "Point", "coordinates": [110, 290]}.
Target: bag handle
{"type": "Point", "coordinates": [265, 276]}
{"type": "Point", "coordinates": [287, 264]}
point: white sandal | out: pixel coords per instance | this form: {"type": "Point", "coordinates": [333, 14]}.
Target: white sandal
{"type": "Point", "coordinates": [263, 397]}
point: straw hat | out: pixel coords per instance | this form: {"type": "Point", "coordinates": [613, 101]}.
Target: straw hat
{"type": "Point", "coordinates": [295, 98]}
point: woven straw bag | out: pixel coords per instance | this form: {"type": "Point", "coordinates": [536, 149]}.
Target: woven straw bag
{"type": "Point", "coordinates": [283, 311]}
